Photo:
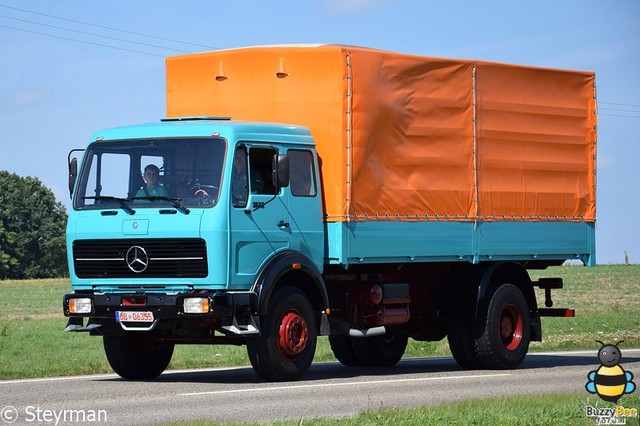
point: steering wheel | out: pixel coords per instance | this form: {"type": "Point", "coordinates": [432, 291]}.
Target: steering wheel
{"type": "Point", "coordinates": [203, 191]}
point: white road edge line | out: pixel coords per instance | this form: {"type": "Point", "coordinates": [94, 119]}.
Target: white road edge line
{"type": "Point", "coordinates": [113, 375]}
{"type": "Point", "coordinates": [322, 385]}
{"type": "Point", "coordinates": [57, 379]}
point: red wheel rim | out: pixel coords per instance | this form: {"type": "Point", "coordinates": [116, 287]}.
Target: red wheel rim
{"type": "Point", "coordinates": [292, 334]}
{"type": "Point", "coordinates": [511, 327]}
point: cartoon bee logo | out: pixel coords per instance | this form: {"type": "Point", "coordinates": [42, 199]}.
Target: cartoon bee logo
{"type": "Point", "coordinates": [610, 381]}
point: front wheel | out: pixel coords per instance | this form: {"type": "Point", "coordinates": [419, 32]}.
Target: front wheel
{"type": "Point", "coordinates": [287, 345]}
{"type": "Point", "coordinates": [137, 358]}
{"type": "Point", "coordinates": [506, 330]}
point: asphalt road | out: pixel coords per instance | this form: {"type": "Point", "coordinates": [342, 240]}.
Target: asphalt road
{"type": "Point", "coordinates": [329, 389]}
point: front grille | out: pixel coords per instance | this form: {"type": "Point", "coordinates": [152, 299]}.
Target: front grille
{"type": "Point", "coordinates": [141, 258]}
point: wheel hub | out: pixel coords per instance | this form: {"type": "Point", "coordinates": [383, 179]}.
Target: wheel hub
{"type": "Point", "coordinates": [293, 334]}
{"type": "Point", "coordinates": [511, 327]}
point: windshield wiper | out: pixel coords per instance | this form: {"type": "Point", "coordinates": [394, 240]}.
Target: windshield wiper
{"type": "Point", "coordinates": [175, 202]}
{"type": "Point", "coordinates": [121, 201]}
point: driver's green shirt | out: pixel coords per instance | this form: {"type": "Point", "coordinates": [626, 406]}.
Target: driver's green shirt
{"type": "Point", "coordinates": [156, 191]}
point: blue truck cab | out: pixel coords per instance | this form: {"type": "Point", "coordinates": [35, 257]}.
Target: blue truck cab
{"type": "Point", "coordinates": [181, 265]}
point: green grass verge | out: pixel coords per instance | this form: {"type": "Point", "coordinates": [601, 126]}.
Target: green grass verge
{"type": "Point", "coordinates": [33, 344]}
{"type": "Point", "coordinates": [514, 411]}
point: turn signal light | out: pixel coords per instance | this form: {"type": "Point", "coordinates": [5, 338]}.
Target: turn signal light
{"type": "Point", "coordinates": [196, 305]}
{"type": "Point", "coordinates": [81, 305]}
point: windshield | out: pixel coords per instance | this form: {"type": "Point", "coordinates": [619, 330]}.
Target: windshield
{"type": "Point", "coordinates": [177, 173]}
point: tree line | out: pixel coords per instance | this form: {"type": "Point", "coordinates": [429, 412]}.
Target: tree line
{"type": "Point", "coordinates": [32, 230]}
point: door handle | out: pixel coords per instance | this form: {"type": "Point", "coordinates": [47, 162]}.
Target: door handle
{"type": "Point", "coordinates": [283, 224]}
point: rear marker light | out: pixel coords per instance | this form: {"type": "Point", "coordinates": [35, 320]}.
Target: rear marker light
{"type": "Point", "coordinates": [80, 306]}
{"type": "Point", "coordinates": [196, 305]}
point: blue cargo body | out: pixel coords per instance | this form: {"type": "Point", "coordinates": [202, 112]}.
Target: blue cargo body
{"type": "Point", "coordinates": [399, 242]}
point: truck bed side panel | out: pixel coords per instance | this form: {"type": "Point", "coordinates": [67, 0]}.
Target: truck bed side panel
{"type": "Point", "coordinates": [406, 242]}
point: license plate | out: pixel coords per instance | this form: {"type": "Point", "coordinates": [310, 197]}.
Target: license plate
{"type": "Point", "coordinates": [127, 316]}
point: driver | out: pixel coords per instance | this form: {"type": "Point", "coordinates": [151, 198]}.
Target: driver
{"type": "Point", "coordinates": [152, 188]}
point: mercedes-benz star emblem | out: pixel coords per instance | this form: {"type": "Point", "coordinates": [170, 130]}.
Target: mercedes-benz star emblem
{"type": "Point", "coordinates": [137, 259]}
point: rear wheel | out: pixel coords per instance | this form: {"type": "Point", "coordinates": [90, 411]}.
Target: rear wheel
{"type": "Point", "coordinates": [342, 349]}
{"type": "Point", "coordinates": [137, 357]}
{"type": "Point", "coordinates": [506, 330]}
{"type": "Point", "coordinates": [287, 345]}
{"type": "Point", "coordinates": [462, 345]}
{"type": "Point", "coordinates": [379, 351]}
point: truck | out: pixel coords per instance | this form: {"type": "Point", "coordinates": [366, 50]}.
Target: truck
{"type": "Point", "coordinates": [298, 191]}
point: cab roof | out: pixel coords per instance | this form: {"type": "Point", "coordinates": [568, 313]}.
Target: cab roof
{"type": "Point", "coordinates": [224, 127]}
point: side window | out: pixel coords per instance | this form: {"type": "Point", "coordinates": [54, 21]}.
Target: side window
{"type": "Point", "coordinates": [301, 173]}
{"type": "Point", "coordinates": [108, 176]}
{"type": "Point", "coordinates": [115, 175]}
{"type": "Point", "coordinates": [260, 164]}
{"type": "Point", "coordinates": [239, 179]}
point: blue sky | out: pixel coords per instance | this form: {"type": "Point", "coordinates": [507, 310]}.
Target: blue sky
{"type": "Point", "coordinates": [55, 91]}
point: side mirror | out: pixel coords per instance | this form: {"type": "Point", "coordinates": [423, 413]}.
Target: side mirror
{"type": "Point", "coordinates": [280, 170]}
{"type": "Point", "coordinates": [73, 174]}
{"type": "Point", "coordinates": [73, 169]}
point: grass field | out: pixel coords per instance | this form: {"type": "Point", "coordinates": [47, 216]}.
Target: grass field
{"type": "Point", "coordinates": [33, 344]}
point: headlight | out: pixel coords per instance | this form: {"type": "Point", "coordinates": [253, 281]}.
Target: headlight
{"type": "Point", "coordinates": [196, 305]}
{"type": "Point", "coordinates": [83, 305]}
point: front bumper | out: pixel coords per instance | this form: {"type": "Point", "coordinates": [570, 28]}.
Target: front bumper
{"type": "Point", "coordinates": [234, 312]}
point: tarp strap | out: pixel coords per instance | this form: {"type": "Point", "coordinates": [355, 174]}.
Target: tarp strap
{"type": "Point", "coordinates": [349, 140]}
{"type": "Point", "coordinates": [475, 148]}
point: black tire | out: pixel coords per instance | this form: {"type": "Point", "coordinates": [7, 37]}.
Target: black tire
{"type": "Point", "coordinates": [462, 344]}
{"type": "Point", "coordinates": [379, 351]}
{"type": "Point", "coordinates": [506, 330]}
{"type": "Point", "coordinates": [134, 357]}
{"type": "Point", "coordinates": [287, 344]}
{"type": "Point", "coordinates": [342, 349]}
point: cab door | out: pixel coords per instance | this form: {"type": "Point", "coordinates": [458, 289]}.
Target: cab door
{"type": "Point", "coordinates": [259, 217]}
{"type": "Point", "coordinates": [305, 206]}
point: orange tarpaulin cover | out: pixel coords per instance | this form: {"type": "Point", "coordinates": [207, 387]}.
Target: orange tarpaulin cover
{"type": "Point", "coordinates": [406, 137]}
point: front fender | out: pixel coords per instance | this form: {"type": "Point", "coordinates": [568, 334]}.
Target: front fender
{"type": "Point", "coordinates": [282, 269]}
